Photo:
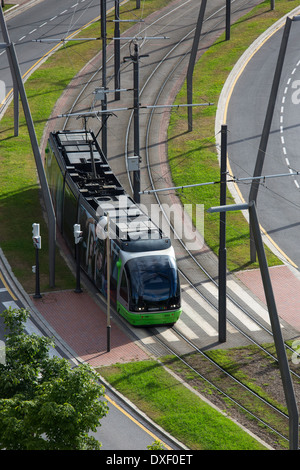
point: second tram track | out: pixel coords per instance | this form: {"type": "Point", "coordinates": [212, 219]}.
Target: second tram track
{"type": "Point", "coordinates": [206, 276]}
{"type": "Point", "coordinates": [210, 278]}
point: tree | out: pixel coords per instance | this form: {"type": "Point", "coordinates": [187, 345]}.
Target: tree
{"type": "Point", "coordinates": [156, 445]}
{"type": "Point", "coordinates": [44, 402]}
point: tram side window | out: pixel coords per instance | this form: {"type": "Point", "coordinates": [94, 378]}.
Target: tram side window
{"type": "Point", "coordinates": [124, 287]}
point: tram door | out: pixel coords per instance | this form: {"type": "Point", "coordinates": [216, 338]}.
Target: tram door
{"type": "Point", "coordinates": [114, 256]}
{"type": "Point", "coordinates": [123, 290]}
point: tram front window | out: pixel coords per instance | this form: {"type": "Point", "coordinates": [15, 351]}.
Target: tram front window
{"type": "Point", "coordinates": [153, 283]}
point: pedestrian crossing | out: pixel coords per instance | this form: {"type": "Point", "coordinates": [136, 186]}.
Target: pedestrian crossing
{"type": "Point", "coordinates": [236, 312]}
{"type": "Point", "coordinates": [199, 319]}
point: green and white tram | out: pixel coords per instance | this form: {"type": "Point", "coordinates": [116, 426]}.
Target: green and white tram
{"type": "Point", "coordinates": [144, 281]}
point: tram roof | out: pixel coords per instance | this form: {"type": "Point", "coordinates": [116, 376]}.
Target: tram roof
{"type": "Point", "coordinates": [89, 170]}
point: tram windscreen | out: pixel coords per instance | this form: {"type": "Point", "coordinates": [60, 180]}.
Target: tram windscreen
{"type": "Point", "coordinates": [153, 283]}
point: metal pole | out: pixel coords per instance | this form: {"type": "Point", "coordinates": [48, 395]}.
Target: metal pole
{"type": "Point", "coordinates": [36, 152]}
{"type": "Point", "coordinates": [108, 327]}
{"type": "Point", "coordinates": [278, 340]}
{"type": "Point", "coordinates": [117, 50]}
{"type": "Point", "coordinates": [16, 107]}
{"type": "Point", "coordinates": [274, 319]}
{"type": "Point", "coordinates": [78, 289]}
{"type": "Point", "coordinates": [15, 84]}
{"type": "Point", "coordinates": [189, 77]}
{"type": "Point", "coordinates": [222, 248]}
{"type": "Point", "coordinates": [37, 294]}
{"type": "Point", "coordinates": [104, 101]}
{"type": "Point", "coordinates": [136, 124]}
{"type": "Point", "coordinates": [267, 125]}
{"type": "Point", "coordinates": [228, 19]}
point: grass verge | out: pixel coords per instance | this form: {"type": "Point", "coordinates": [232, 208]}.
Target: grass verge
{"type": "Point", "coordinates": [187, 417]}
{"type": "Point", "coordinates": [176, 409]}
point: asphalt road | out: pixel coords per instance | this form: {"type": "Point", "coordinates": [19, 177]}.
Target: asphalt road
{"type": "Point", "coordinates": [278, 200]}
{"type": "Point", "coordinates": [45, 20]}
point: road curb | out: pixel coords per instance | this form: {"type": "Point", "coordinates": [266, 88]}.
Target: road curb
{"type": "Point", "coordinates": [19, 7]}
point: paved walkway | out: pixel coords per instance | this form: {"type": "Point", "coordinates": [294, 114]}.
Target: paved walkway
{"type": "Point", "coordinates": [286, 288]}
{"type": "Point", "coordinates": [82, 324]}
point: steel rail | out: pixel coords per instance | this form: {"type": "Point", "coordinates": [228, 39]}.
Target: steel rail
{"type": "Point", "coordinates": [190, 254]}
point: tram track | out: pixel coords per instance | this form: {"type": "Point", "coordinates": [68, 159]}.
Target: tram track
{"type": "Point", "coordinates": [237, 403]}
{"type": "Point", "coordinates": [203, 273]}
{"type": "Point", "coordinates": [202, 268]}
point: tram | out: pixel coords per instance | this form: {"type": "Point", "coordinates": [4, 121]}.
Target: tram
{"type": "Point", "coordinates": [144, 281]}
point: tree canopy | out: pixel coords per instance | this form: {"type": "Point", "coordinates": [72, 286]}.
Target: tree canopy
{"type": "Point", "coordinates": [45, 403]}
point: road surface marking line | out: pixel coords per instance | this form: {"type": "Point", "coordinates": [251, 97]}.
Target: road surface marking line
{"type": "Point", "coordinates": [250, 324]}
{"type": "Point", "coordinates": [247, 61]}
{"type": "Point", "coordinates": [135, 421]}
{"type": "Point", "coordinates": [208, 308]}
{"type": "Point", "coordinates": [10, 304]}
{"type": "Point", "coordinates": [7, 287]}
{"type": "Point", "coordinates": [196, 317]}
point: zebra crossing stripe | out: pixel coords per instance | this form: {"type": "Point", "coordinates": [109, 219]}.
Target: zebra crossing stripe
{"type": "Point", "coordinates": [205, 306]}
{"type": "Point", "coordinates": [7, 287]}
{"type": "Point", "coordinates": [9, 304]}
{"type": "Point", "coordinates": [168, 335]}
{"type": "Point", "coordinates": [247, 322]}
{"type": "Point", "coordinates": [259, 309]}
{"type": "Point", "coordinates": [183, 328]}
{"type": "Point", "coordinates": [196, 317]}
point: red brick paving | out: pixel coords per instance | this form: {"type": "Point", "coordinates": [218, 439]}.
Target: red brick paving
{"type": "Point", "coordinates": [286, 288]}
{"type": "Point", "coordinates": [80, 322]}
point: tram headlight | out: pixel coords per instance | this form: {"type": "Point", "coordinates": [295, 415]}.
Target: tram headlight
{"type": "Point", "coordinates": [175, 305]}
